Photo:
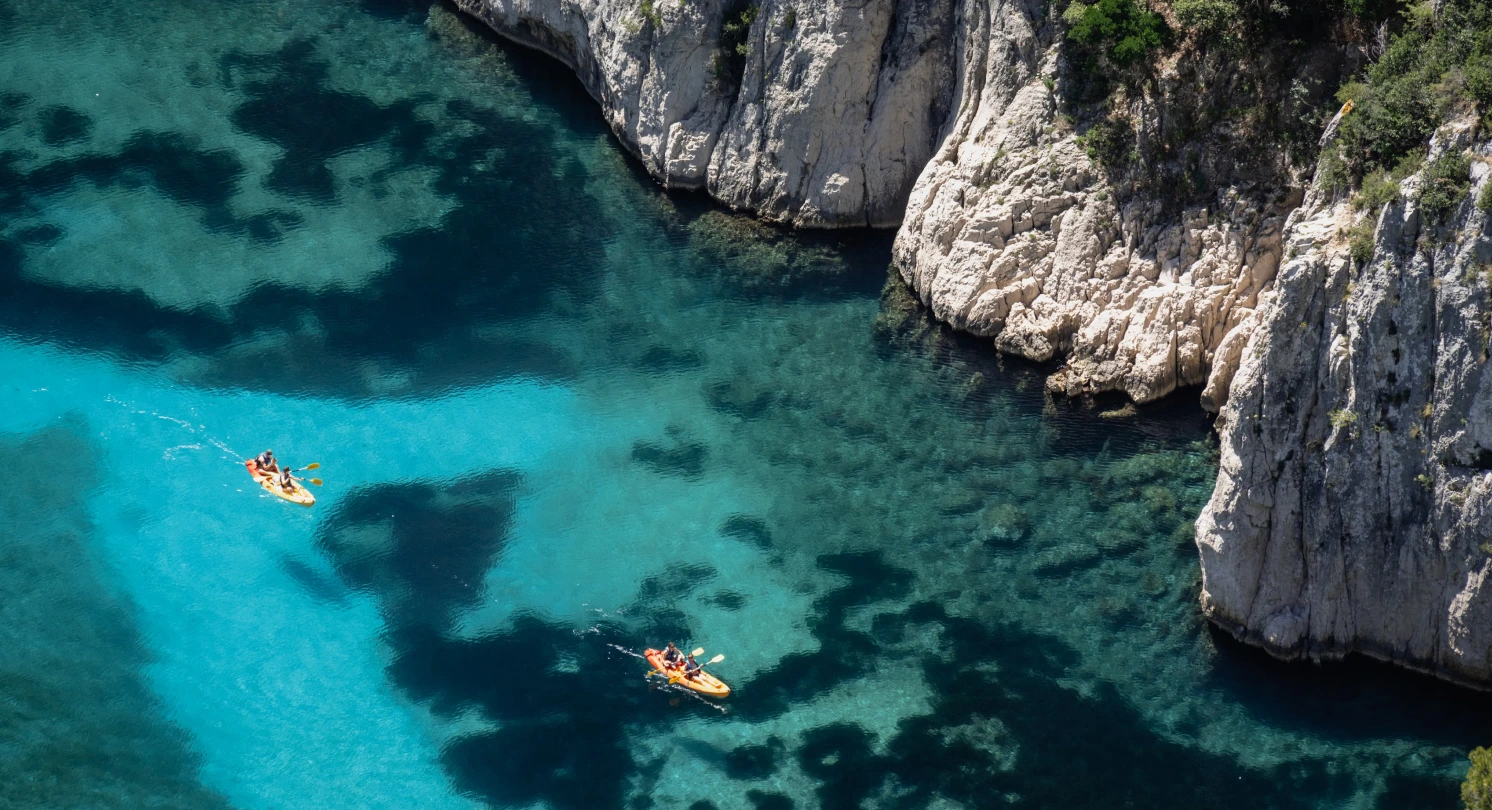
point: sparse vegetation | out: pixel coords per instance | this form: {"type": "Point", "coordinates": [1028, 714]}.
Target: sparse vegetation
{"type": "Point", "coordinates": [1484, 199]}
{"type": "Point", "coordinates": [732, 49]}
{"type": "Point", "coordinates": [1341, 418]}
{"type": "Point", "coordinates": [1382, 186]}
{"type": "Point", "coordinates": [649, 13]}
{"type": "Point", "coordinates": [1444, 183]}
{"type": "Point", "coordinates": [1108, 141]}
{"type": "Point", "coordinates": [1206, 17]}
{"type": "Point", "coordinates": [1377, 190]}
{"type": "Point", "coordinates": [1360, 242]}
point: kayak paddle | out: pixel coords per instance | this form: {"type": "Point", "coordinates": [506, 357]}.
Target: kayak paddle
{"type": "Point", "coordinates": [698, 651]}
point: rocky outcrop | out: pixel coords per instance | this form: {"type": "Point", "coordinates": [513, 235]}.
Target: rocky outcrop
{"type": "Point", "coordinates": [821, 115]}
{"type": "Point", "coordinates": [1353, 508]}
{"type": "Point", "coordinates": [1014, 232]}
{"type": "Point", "coordinates": [956, 114]}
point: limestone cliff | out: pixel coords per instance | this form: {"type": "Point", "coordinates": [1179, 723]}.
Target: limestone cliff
{"type": "Point", "coordinates": [818, 114]}
{"type": "Point", "coordinates": [1014, 231]}
{"type": "Point", "coordinates": [1354, 504]}
{"type": "Point", "coordinates": [967, 117]}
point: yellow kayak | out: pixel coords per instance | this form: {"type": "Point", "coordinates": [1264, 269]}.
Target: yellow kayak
{"type": "Point", "coordinates": [701, 682]}
{"type": "Point", "coordinates": [299, 494]}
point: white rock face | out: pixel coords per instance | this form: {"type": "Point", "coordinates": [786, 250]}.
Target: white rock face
{"type": "Point", "coordinates": [1353, 509]}
{"type": "Point", "coordinates": [837, 110]}
{"type": "Point", "coordinates": [1012, 232]}
{"type": "Point", "coordinates": [945, 111]}
{"type": "Point", "coordinates": [1354, 502]}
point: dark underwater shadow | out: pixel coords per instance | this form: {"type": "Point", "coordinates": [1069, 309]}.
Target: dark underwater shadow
{"type": "Point", "coordinates": [1355, 699]}
{"type": "Point", "coordinates": [522, 232]}
{"type": "Point", "coordinates": [568, 706]}
{"type": "Point", "coordinates": [505, 249]}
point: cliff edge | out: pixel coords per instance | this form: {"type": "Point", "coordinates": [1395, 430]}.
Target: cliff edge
{"type": "Point", "coordinates": [1136, 188]}
{"type": "Point", "coordinates": [1353, 506]}
{"type": "Point", "coordinates": [815, 114]}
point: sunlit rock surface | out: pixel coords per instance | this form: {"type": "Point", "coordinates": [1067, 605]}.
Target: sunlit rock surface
{"type": "Point", "coordinates": [1352, 507]}
{"type": "Point", "coordinates": [819, 114]}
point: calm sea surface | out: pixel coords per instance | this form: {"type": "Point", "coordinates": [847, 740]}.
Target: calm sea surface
{"type": "Point", "coordinates": [562, 416]}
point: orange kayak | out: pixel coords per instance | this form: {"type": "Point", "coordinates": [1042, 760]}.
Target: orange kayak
{"type": "Point", "coordinates": [701, 682]}
{"type": "Point", "coordinates": [299, 495]}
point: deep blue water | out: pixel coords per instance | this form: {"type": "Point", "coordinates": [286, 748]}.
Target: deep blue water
{"type": "Point", "coordinates": [562, 416]}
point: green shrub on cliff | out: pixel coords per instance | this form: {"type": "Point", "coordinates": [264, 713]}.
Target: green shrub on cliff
{"type": "Point", "coordinates": [1360, 240]}
{"type": "Point", "coordinates": [1443, 184]}
{"type": "Point", "coordinates": [1119, 29]}
{"type": "Point", "coordinates": [1378, 189]}
{"type": "Point", "coordinates": [1382, 186]}
{"type": "Point", "coordinates": [1205, 17]}
{"type": "Point", "coordinates": [1107, 142]}
{"type": "Point", "coordinates": [1476, 791]}
{"type": "Point", "coordinates": [1439, 64]}
{"type": "Point", "coordinates": [730, 56]}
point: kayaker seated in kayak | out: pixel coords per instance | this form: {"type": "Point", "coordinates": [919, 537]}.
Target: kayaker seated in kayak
{"type": "Point", "coordinates": [266, 462]}
{"type": "Point", "coordinates": [671, 655]}
{"type": "Point", "coordinates": [287, 481]}
{"type": "Point", "coordinates": [691, 667]}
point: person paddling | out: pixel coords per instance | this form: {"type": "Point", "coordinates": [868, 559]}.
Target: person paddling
{"type": "Point", "coordinates": [266, 462]}
{"type": "Point", "coordinates": [287, 481]}
{"type": "Point", "coordinates": [691, 667]}
{"type": "Point", "coordinates": [671, 655]}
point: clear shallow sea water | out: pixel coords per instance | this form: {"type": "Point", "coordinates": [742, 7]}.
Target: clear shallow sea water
{"type": "Point", "coordinates": [562, 416]}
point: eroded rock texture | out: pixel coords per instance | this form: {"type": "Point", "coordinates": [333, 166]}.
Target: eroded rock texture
{"type": "Point", "coordinates": [1354, 504]}
{"type": "Point", "coordinates": [1014, 232]}
{"type": "Point", "coordinates": [958, 115]}
{"type": "Point", "coordinates": [821, 116]}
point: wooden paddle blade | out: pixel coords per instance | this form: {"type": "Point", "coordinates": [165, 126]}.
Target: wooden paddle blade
{"type": "Point", "coordinates": [315, 466]}
{"type": "Point", "coordinates": [698, 651]}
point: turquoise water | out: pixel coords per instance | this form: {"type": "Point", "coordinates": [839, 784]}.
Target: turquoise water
{"type": "Point", "coordinates": [562, 416]}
